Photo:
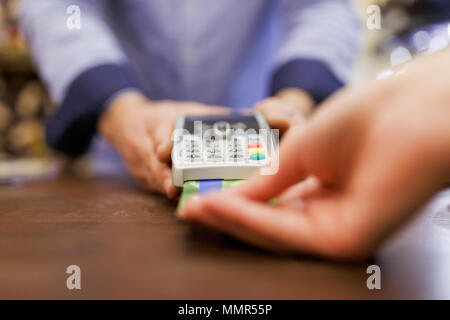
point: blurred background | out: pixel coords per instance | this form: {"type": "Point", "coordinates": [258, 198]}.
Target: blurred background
{"type": "Point", "coordinates": [408, 28]}
{"type": "Point", "coordinates": [24, 103]}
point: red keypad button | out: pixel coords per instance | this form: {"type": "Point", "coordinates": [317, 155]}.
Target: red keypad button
{"type": "Point", "coordinates": [255, 145]}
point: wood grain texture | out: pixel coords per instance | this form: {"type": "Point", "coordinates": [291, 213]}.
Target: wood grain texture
{"type": "Point", "coordinates": [129, 245]}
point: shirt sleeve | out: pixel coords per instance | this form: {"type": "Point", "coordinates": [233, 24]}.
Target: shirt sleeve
{"type": "Point", "coordinates": [321, 41]}
{"type": "Point", "coordinates": [82, 67]}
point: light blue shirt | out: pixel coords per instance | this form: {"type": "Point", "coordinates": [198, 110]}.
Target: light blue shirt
{"type": "Point", "coordinates": [221, 52]}
{"type": "Point", "coordinates": [189, 49]}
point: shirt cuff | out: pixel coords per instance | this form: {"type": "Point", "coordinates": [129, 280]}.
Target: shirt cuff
{"type": "Point", "coordinates": [309, 75]}
{"type": "Point", "coordinates": [71, 127]}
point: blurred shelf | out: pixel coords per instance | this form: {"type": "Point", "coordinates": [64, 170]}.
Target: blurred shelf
{"type": "Point", "coordinates": [15, 60]}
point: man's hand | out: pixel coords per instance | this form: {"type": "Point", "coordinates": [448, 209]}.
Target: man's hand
{"type": "Point", "coordinates": [363, 164]}
{"type": "Point", "coordinates": [287, 108]}
{"type": "Point", "coordinates": [141, 131]}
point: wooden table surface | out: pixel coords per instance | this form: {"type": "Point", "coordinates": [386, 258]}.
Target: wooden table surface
{"type": "Point", "coordinates": [128, 244]}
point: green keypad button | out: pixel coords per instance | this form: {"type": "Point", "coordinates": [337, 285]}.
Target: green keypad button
{"type": "Point", "coordinates": [258, 156]}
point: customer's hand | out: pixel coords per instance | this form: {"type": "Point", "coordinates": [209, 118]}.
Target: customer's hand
{"type": "Point", "coordinates": [371, 156]}
{"type": "Point", "coordinates": [288, 108]}
{"type": "Point", "coordinates": [141, 131]}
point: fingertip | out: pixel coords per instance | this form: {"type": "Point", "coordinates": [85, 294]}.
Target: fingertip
{"type": "Point", "coordinates": [190, 208]}
{"type": "Point", "coordinates": [259, 107]}
{"type": "Point", "coordinates": [169, 189]}
{"type": "Point", "coordinates": [198, 205]}
{"type": "Point", "coordinates": [172, 192]}
{"type": "Point", "coordinates": [279, 122]}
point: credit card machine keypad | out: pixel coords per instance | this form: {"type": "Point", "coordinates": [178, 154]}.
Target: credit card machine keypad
{"type": "Point", "coordinates": [220, 147]}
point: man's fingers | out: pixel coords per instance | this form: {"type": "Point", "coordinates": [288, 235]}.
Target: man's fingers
{"type": "Point", "coordinates": [159, 175]}
{"type": "Point", "coordinates": [199, 109]}
{"type": "Point", "coordinates": [280, 114]}
{"type": "Point", "coordinates": [277, 115]}
{"type": "Point", "coordinates": [164, 179]}
{"type": "Point", "coordinates": [162, 140]}
{"type": "Point", "coordinates": [277, 121]}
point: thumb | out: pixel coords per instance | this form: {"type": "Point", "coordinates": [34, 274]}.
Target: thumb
{"type": "Point", "coordinates": [291, 171]}
{"type": "Point", "coordinates": [275, 113]}
{"type": "Point", "coordinates": [277, 119]}
{"type": "Point", "coordinates": [163, 141]}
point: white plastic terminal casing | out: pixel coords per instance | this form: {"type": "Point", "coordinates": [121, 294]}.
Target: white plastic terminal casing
{"type": "Point", "coordinates": [226, 167]}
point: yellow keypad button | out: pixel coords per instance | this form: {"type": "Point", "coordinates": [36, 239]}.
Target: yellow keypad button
{"type": "Point", "coordinates": [255, 150]}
